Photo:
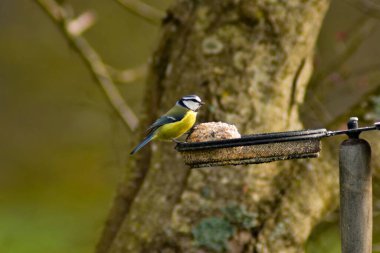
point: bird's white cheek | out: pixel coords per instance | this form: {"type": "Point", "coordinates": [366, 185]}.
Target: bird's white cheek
{"type": "Point", "coordinates": [192, 105]}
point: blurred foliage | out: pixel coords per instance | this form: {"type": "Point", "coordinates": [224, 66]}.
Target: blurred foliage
{"type": "Point", "coordinates": [375, 106]}
{"type": "Point", "coordinates": [324, 239]}
{"type": "Point", "coordinates": [63, 151]}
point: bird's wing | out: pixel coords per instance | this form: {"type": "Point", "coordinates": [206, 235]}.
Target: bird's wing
{"type": "Point", "coordinates": [170, 117]}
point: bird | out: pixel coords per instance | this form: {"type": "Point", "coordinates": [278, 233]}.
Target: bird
{"type": "Point", "coordinates": [177, 121]}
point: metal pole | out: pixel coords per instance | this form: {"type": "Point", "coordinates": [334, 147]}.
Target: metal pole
{"type": "Point", "coordinates": [355, 193]}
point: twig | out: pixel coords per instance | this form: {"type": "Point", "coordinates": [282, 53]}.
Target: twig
{"type": "Point", "coordinates": [143, 10]}
{"type": "Point", "coordinates": [128, 75]}
{"type": "Point", "coordinates": [99, 70]}
{"type": "Point", "coordinates": [82, 23]}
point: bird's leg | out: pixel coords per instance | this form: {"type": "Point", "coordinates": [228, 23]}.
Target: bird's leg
{"type": "Point", "coordinates": [188, 133]}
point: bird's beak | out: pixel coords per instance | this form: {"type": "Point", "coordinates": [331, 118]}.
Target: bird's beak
{"type": "Point", "coordinates": [202, 103]}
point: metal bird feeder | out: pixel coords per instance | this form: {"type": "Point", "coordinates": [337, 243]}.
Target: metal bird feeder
{"type": "Point", "coordinates": [354, 169]}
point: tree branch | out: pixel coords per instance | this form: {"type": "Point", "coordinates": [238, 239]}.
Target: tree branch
{"type": "Point", "coordinates": [368, 7]}
{"type": "Point", "coordinates": [143, 10]}
{"type": "Point", "coordinates": [315, 110]}
{"type": "Point", "coordinates": [99, 70]}
{"type": "Point", "coordinates": [361, 30]}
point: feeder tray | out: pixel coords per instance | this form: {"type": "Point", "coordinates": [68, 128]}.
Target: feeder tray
{"type": "Point", "coordinates": [261, 148]}
{"type": "Point", "coordinates": [257, 148]}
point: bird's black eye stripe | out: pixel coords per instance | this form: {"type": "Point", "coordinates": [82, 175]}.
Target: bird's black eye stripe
{"type": "Point", "coordinates": [191, 99]}
{"type": "Point", "coordinates": [182, 104]}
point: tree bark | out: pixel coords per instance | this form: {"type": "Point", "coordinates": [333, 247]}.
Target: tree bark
{"type": "Point", "coordinates": [250, 60]}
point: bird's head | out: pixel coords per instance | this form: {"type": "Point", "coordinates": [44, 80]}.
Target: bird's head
{"type": "Point", "coordinates": [191, 102]}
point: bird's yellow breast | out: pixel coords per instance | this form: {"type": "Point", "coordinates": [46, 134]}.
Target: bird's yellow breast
{"type": "Point", "coordinates": [176, 129]}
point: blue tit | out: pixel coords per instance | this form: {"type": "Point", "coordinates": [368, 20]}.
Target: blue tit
{"type": "Point", "coordinates": [174, 123]}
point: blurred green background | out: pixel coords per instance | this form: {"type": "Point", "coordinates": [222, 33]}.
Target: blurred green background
{"type": "Point", "coordinates": [62, 149]}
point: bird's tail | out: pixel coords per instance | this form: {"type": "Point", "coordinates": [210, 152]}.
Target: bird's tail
{"type": "Point", "coordinates": [143, 143]}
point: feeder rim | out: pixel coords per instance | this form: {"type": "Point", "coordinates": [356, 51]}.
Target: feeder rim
{"type": "Point", "coordinates": [254, 139]}
{"type": "Point", "coordinates": [266, 138]}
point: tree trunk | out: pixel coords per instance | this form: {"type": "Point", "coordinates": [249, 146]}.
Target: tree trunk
{"type": "Point", "coordinates": [250, 61]}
